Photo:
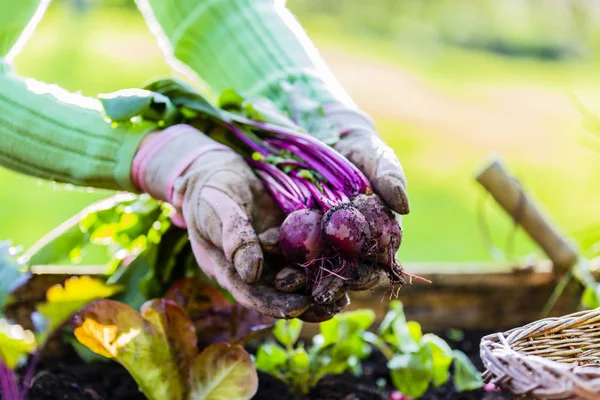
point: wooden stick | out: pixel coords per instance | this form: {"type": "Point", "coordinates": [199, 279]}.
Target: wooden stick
{"type": "Point", "coordinates": [512, 197]}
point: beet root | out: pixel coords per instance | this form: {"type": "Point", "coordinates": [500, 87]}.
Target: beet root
{"type": "Point", "coordinates": [347, 230]}
{"type": "Point", "coordinates": [385, 231]}
{"type": "Point", "coordinates": [300, 237]}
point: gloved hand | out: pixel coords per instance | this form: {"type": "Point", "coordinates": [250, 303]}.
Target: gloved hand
{"type": "Point", "coordinates": [224, 205]}
{"type": "Point", "coordinates": [361, 145]}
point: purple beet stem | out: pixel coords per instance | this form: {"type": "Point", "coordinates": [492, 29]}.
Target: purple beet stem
{"type": "Point", "coordinates": [296, 137]}
{"type": "Point", "coordinates": [285, 201]}
{"type": "Point", "coordinates": [281, 177]}
{"type": "Point", "coordinates": [8, 383]}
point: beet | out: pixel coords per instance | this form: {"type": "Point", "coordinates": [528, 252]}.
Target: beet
{"type": "Point", "coordinates": [300, 237]}
{"type": "Point", "coordinates": [347, 230]}
{"type": "Point", "coordinates": [385, 231]}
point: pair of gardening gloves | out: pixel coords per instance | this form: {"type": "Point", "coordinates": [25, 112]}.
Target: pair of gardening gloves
{"type": "Point", "coordinates": [233, 222]}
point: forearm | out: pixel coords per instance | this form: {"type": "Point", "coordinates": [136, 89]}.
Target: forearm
{"type": "Point", "coordinates": [52, 134]}
{"type": "Point", "coordinates": [249, 45]}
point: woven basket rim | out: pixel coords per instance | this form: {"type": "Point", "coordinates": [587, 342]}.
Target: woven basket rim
{"type": "Point", "coordinates": [552, 358]}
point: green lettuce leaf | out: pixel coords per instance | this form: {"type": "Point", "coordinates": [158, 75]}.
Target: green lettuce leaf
{"type": "Point", "coordinates": [466, 376]}
{"type": "Point", "coordinates": [223, 372]}
{"type": "Point", "coordinates": [411, 372]}
{"type": "Point", "coordinates": [15, 344]}
{"type": "Point", "coordinates": [287, 332]}
{"type": "Point", "coordinates": [115, 330]}
{"type": "Point", "coordinates": [63, 300]}
{"type": "Point", "coordinates": [441, 357]}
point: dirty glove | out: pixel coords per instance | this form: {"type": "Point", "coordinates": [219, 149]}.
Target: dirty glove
{"type": "Point", "coordinates": [360, 144]}
{"type": "Point", "coordinates": [223, 205]}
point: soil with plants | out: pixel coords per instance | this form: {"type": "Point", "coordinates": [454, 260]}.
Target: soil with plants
{"type": "Point", "coordinates": [70, 378]}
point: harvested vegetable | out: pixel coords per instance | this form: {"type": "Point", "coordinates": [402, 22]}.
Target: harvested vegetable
{"type": "Point", "coordinates": [335, 222]}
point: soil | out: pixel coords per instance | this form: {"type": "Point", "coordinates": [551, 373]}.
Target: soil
{"type": "Point", "coordinates": [69, 378]}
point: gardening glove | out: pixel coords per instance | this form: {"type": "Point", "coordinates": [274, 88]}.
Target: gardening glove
{"type": "Point", "coordinates": [223, 205]}
{"type": "Point", "coordinates": [360, 144]}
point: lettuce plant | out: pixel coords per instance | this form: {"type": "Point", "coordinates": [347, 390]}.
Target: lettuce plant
{"type": "Point", "coordinates": [338, 347]}
{"type": "Point", "coordinates": [159, 348]}
{"type": "Point", "coordinates": [416, 360]}
{"type": "Point", "coordinates": [18, 344]}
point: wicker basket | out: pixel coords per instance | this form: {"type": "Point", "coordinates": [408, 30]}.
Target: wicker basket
{"type": "Point", "coordinates": [554, 358]}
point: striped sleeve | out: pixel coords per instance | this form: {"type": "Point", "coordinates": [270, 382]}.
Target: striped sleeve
{"type": "Point", "coordinates": [249, 45]}
{"type": "Point", "coordinates": [52, 134]}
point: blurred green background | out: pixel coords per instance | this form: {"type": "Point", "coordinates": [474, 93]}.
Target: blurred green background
{"type": "Point", "coordinates": [447, 81]}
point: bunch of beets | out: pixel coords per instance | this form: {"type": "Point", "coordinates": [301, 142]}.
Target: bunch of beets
{"type": "Point", "coordinates": [334, 222]}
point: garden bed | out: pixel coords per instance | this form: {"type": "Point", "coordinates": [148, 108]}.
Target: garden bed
{"type": "Point", "coordinates": [70, 378]}
{"type": "Point", "coordinates": [460, 297]}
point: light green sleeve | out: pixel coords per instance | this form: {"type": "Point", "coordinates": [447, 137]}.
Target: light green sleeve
{"type": "Point", "coordinates": [249, 45]}
{"type": "Point", "coordinates": [50, 133]}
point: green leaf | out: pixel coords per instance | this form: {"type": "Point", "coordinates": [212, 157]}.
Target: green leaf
{"type": "Point", "coordinates": [351, 346]}
{"type": "Point", "coordinates": [395, 330]}
{"type": "Point", "coordinates": [11, 274]}
{"type": "Point", "coordinates": [131, 275]}
{"type": "Point", "coordinates": [63, 301]}
{"type": "Point", "coordinates": [117, 331]}
{"type": "Point", "coordinates": [230, 98]}
{"type": "Point", "coordinates": [403, 337]}
{"type": "Point", "coordinates": [170, 321]}
{"type": "Point", "coordinates": [183, 95]}
{"type": "Point", "coordinates": [123, 105]}
{"type": "Point", "coordinates": [77, 230]}
{"type": "Point", "coordinates": [411, 372]}
{"type": "Point", "coordinates": [223, 372]}
{"type": "Point", "coordinates": [346, 325]}
{"type": "Point", "coordinates": [395, 311]}
{"type": "Point", "coordinates": [15, 344]}
{"type": "Point", "coordinates": [298, 360]}
{"type": "Point", "coordinates": [466, 376]}
{"type": "Point", "coordinates": [287, 331]}
{"type": "Point", "coordinates": [441, 355]}
{"type": "Point", "coordinates": [270, 358]}
{"type": "Point", "coordinates": [414, 328]}
{"type": "Point", "coordinates": [591, 297]}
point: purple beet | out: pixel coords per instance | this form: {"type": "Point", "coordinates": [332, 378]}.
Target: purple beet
{"type": "Point", "coordinates": [300, 237]}
{"type": "Point", "coordinates": [385, 231]}
{"type": "Point", "coordinates": [347, 230]}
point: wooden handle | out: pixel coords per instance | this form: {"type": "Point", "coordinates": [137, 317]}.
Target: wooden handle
{"type": "Point", "coordinates": [512, 197]}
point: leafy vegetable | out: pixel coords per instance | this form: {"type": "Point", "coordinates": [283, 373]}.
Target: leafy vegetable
{"type": "Point", "coordinates": [415, 360]}
{"type": "Point", "coordinates": [158, 346]}
{"type": "Point", "coordinates": [411, 372]}
{"type": "Point", "coordinates": [62, 301]}
{"type": "Point", "coordinates": [418, 360]}
{"type": "Point", "coordinates": [336, 349]}
{"type": "Point", "coordinates": [16, 343]}
{"type": "Point", "coordinates": [466, 376]}
{"type": "Point", "coordinates": [223, 372]}
{"type": "Point", "coordinates": [216, 318]}
{"type": "Point", "coordinates": [115, 330]}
